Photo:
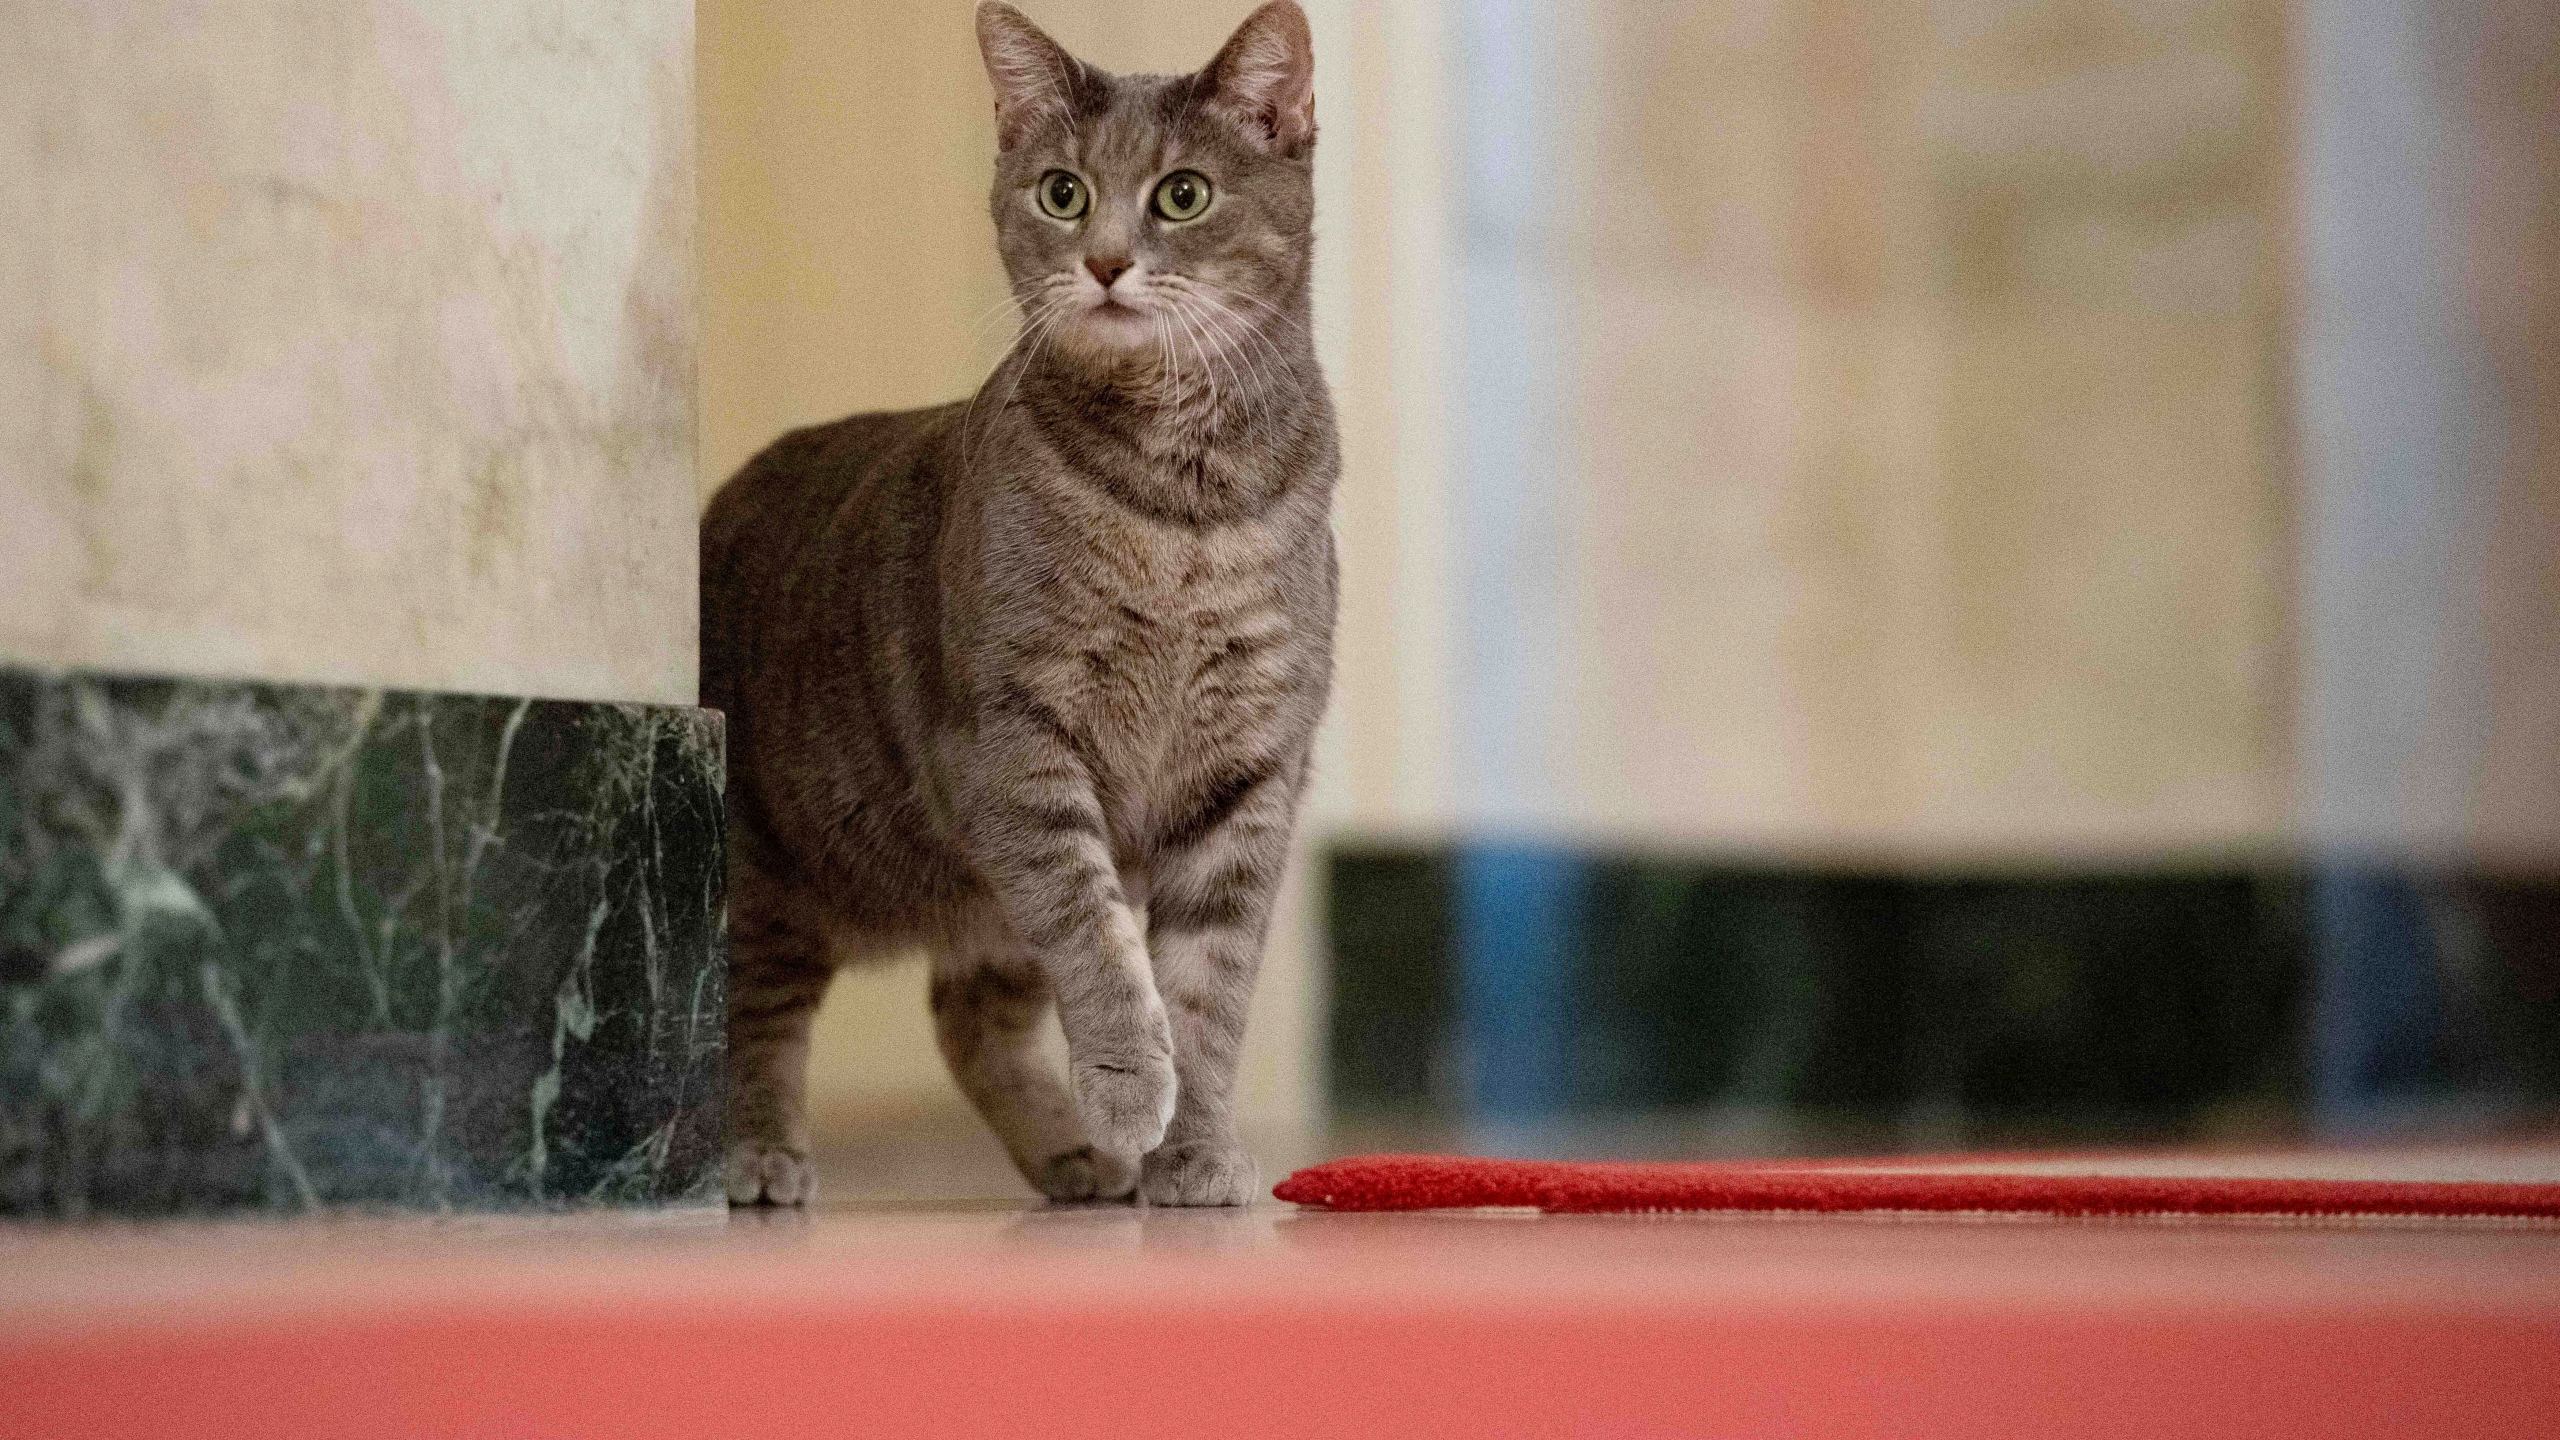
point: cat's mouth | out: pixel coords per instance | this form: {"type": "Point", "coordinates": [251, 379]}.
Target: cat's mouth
{"type": "Point", "coordinates": [1121, 319]}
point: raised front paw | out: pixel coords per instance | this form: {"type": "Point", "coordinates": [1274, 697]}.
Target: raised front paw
{"type": "Point", "coordinates": [762, 1173]}
{"type": "Point", "coordinates": [1126, 1104]}
{"type": "Point", "coordinates": [1200, 1173]}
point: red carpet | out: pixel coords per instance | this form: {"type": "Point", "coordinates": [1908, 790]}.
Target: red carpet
{"type": "Point", "coordinates": [1131, 1323]}
{"type": "Point", "coordinates": [2088, 1187]}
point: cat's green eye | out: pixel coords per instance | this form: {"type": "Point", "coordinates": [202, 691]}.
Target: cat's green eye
{"type": "Point", "coordinates": [1062, 195]}
{"type": "Point", "coordinates": [1182, 195]}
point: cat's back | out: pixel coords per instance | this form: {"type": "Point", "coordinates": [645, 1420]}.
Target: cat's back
{"type": "Point", "coordinates": [792, 507]}
{"type": "Point", "coordinates": [795, 487]}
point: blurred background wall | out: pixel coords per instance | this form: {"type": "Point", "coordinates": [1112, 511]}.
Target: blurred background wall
{"type": "Point", "coordinates": [1899, 555]}
{"type": "Point", "coordinates": [2428, 343]}
{"type": "Point", "coordinates": [350, 343]}
{"type": "Point", "coordinates": [1927, 365]}
{"type": "Point", "coordinates": [1927, 489]}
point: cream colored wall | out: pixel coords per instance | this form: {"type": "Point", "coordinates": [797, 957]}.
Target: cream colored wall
{"type": "Point", "coordinates": [848, 265]}
{"type": "Point", "coordinates": [1933, 495]}
{"type": "Point", "coordinates": [1386, 768]}
{"type": "Point", "coordinates": [2429, 384]}
{"type": "Point", "coordinates": [1963, 431]}
{"type": "Point", "coordinates": [2510, 787]}
{"type": "Point", "coordinates": [1928, 479]}
{"type": "Point", "coordinates": [350, 343]}
{"type": "Point", "coordinates": [845, 263]}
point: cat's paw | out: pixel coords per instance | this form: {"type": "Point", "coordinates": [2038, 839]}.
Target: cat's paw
{"type": "Point", "coordinates": [1126, 1105]}
{"type": "Point", "coordinates": [1085, 1173]}
{"type": "Point", "coordinates": [1200, 1172]}
{"type": "Point", "coordinates": [769, 1174]}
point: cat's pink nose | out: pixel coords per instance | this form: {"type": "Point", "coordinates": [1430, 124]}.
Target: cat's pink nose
{"type": "Point", "coordinates": [1108, 270]}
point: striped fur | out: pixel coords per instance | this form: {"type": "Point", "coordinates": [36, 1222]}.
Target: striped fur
{"type": "Point", "coordinates": [1029, 680]}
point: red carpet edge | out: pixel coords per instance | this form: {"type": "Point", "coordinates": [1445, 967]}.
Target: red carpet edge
{"type": "Point", "coordinates": [1432, 1182]}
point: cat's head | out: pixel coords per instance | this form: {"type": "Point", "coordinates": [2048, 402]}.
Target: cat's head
{"type": "Point", "coordinates": [1142, 215]}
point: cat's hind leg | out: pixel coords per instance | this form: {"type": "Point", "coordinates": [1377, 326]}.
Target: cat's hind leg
{"type": "Point", "coordinates": [779, 966]}
{"type": "Point", "coordinates": [989, 999]}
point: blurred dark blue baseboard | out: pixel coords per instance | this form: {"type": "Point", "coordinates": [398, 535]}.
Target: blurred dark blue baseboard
{"type": "Point", "coordinates": [1509, 986]}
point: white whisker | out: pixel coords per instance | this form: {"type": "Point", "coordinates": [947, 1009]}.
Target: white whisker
{"type": "Point", "coordinates": [1209, 326]}
{"type": "Point", "coordinates": [1208, 358]}
{"type": "Point", "coordinates": [1246, 332]}
{"type": "Point", "coordinates": [1045, 305]}
{"type": "Point", "coordinates": [1274, 311]}
{"type": "Point", "coordinates": [1262, 334]}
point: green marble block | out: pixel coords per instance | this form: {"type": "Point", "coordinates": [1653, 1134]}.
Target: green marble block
{"type": "Point", "coordinates": [283, 947]}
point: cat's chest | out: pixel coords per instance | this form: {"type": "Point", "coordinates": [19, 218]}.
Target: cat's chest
{"type": "Point", "coordinates": [1159, 614]}
{"type": "Point", "coordinates": [1179, 652]}
{"type": "Point", "coordinates": [1182, 687]}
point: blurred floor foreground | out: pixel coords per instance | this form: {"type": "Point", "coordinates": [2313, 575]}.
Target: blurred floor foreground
{"type": "Point", "coordinates": [970, 1314]}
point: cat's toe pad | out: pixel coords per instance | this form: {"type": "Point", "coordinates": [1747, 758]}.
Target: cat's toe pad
{"type": "Point", "coordinates": [1085, 1173]}
{"type": "Point", "coordinates": [1200, 1173]}
{"type": "Point", "coordinates": [768, 1174]}
{"type": "Point", "coordinates": [1126, 1106]}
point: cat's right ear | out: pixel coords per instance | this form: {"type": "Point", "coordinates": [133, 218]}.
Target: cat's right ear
{"type": "Point", "coordinates": [1034, 80]}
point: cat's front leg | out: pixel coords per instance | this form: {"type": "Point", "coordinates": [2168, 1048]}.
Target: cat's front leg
{"type": "Point", "coordinates": [989, 999]}
{"type": "Point", "coordinates": [1037, 834]}
{"type": "Point", "coordinates": [1210, 908]}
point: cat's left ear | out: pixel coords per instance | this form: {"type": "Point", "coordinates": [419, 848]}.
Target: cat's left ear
{"type": "Point", "coordinates": [1265, 78]}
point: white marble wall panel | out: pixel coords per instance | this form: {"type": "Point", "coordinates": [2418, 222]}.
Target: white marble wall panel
{"type": "Point", "coordinates": [350, 342]}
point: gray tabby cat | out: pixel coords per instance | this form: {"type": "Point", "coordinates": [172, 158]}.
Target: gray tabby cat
{"type": "Point", "coordinates": [1029, 680]}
